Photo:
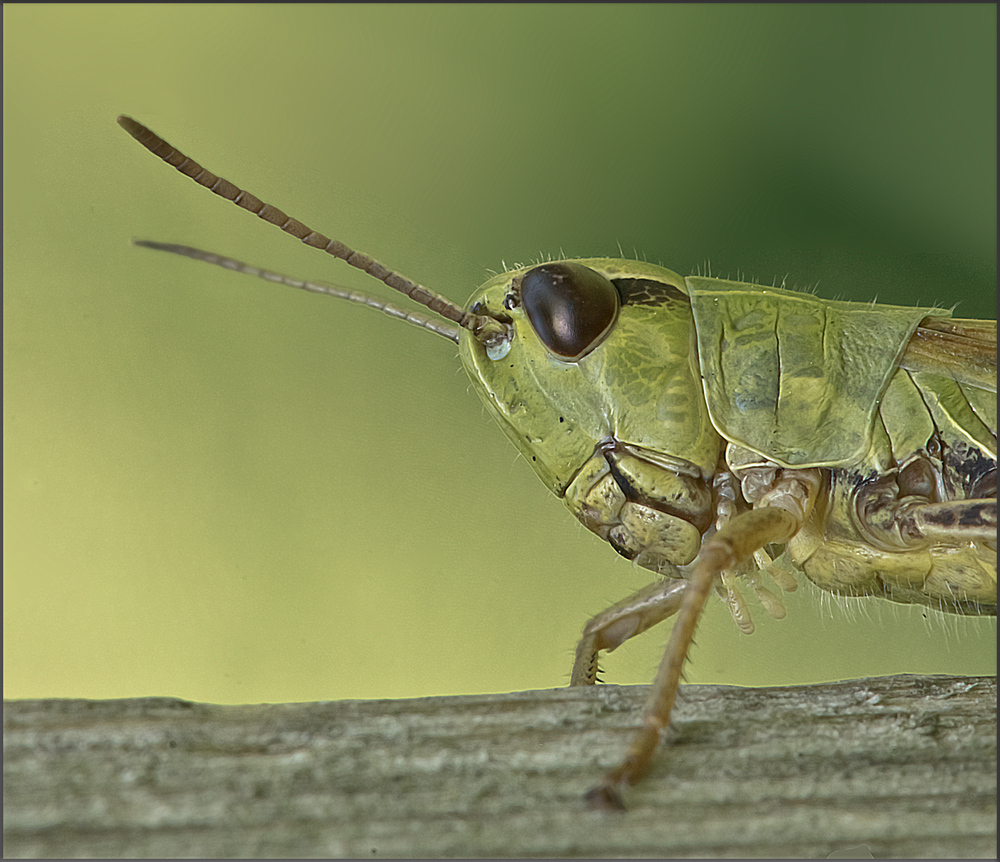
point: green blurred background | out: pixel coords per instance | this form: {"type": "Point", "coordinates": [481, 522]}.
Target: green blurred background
{"type": "Point", "coordinates": [232, 492]}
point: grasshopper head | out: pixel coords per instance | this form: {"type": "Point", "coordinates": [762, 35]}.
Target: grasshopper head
{"type": "Point", "coordinates": [570, 354]}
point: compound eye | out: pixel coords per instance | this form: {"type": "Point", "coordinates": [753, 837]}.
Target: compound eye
{"type": "Point", "coordinates": [570, 306]}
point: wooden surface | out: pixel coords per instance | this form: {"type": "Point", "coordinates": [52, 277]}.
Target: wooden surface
{"type": "Point", "coordinates": [887, 767]}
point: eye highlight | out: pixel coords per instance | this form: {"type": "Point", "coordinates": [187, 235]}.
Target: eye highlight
{"type": "Point", "coordinates": [571, 307]}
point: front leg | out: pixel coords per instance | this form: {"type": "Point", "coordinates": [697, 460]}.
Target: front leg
{"type": "Point", "coordinates": [780, 516]}
{"type": "Point", "coordinates": [625, 619]}
{"type": "Point", "coordinates": [656, 518]}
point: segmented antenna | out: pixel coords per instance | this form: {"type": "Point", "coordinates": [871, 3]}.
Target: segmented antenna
{"type": "Point", "coordinates": [225, 189]}
{"type": "Point", "coordinates": [424, 321]}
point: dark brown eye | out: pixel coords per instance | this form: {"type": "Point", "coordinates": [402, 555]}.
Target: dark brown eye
{"type": "Point", "coordinates": [571, 307]}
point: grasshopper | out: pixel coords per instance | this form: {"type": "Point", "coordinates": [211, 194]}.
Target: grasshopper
{"type": "Point", "coordinates": [712, 431]}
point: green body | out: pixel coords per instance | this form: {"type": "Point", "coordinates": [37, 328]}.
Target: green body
{"type": "Point", "coordinates": [701, 378]}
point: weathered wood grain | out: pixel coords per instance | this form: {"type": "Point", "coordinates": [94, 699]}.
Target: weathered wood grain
{"type": "Point", "coordinates": [894, 766]}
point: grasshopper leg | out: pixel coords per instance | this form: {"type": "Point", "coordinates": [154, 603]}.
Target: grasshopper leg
{"type": "Point", "coordinates": [971, 520]}
{"type": "Point", "coordinates": [734, 543]}
{"type": "Point", "coordinates": [623, 620]}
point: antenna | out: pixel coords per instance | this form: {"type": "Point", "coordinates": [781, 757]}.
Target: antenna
{"type": "Point", "coordinates": [482, 328]}
{"type": "Point", "coordinates": [417, 318]}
